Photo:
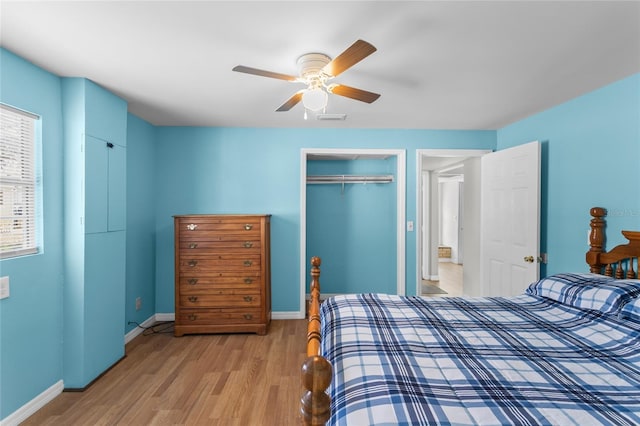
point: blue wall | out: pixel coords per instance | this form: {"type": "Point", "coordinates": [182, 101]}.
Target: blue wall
{"type": "Point", "coordinates": [141, 235]}
{"type": "Point", "coordinates": [591, 153]}
{"type": "Point", "coordinates": [31, 318]}
{"type": "Point", "coordinates": [230, 170]}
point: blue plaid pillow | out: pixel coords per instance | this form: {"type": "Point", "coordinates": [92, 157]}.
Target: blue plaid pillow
{"type": "Point", "coordinates": [587, 291]}
{"type": "Point", "coordinates": [631, 310]}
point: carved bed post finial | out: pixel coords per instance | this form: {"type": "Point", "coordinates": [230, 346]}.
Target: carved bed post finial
{"type": "Point", "coordinates": [315, 273]}
{"type": "Point", "coordinates": [596, 239]}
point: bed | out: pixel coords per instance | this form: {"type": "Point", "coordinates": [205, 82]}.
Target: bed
{"type": "Point", "coordinates": [567, 351]}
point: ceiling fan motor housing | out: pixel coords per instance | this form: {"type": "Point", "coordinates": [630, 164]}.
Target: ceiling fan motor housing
{"type": "Point", "coordinates": [310, 64]}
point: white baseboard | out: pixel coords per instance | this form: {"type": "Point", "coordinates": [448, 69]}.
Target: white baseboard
{"type": "Point", "coordinates": [287, 315]}
{"type": "Point", "coordinates": [166, 317]}
{"type": "Point", "coordinates": [138, 331]}
{"type": "Point", "coordinates": [172, 316]}
{"type": "Point", "coordinates": [23, 413]}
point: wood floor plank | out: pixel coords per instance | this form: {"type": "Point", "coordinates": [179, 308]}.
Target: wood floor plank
{"type": "Point", "coordinates": [235, 379]}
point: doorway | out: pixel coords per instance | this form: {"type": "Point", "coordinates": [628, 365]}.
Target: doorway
{"type": "Point", "coordinates": [445, 247]}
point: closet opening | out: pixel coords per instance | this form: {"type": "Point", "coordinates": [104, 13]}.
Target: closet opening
{"type": "Point", "coordinates": [352, 216]}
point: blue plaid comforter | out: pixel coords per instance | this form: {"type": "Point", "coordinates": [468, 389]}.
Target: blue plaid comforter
{"type": "Point", "coordinates": [469, 361]}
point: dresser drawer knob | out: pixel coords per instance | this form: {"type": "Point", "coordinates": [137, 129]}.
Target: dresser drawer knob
{"type": "Point", "coordinates": [193, 245]}
{"type": "Point", "coordinates": [248, 280]}
{"type": "Point", "coordinates": [193, 299]}
{"type": "Point", "coordinates": [192, 317]}
{"type": "Point", "coordinates": [192, 227]}
{"type": "Point", "coordinates": [248, 263]}
{"type": "Point", "coordinates": [248, 298]}
{"type": "Point", "coordinates": [248, 244]}
{"type": "Point", "coordinates": [192, 281]}
{"type": "Point", "coordinates": [248, 316]}
{"type": "Point", "coordinates": [248, 226]}
{"type": "Point", "coordinates": [193, 263]}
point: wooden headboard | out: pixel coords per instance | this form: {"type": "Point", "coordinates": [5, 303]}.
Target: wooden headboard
{"type": "Point", "coordinates": [619, 261]}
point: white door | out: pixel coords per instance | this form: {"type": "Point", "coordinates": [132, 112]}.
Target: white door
{"type": "Point", "coordinates": [510, 220]}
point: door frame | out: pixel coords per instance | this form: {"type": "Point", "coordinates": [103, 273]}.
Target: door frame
{"type": "Point", "coordinates": [401, 177]}
{"type": "Point", "coordinates": [420, 155]}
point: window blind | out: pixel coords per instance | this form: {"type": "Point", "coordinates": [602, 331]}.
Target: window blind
{"type": "Point", "coordinates": [18, 233]}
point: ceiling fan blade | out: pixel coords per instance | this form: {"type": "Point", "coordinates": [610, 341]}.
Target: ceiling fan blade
{"type": "Point", "coordinates": [292, 101]}
{"type": "Point", "coordinates": [263, 73]}
{"type": "Point", "coordinates": [353, 93]}
{"type": "Point", "coordinates": [354, 54]}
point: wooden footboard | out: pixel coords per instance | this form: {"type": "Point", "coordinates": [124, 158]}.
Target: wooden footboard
{"type": "Point", "coordinates": [316, 370]}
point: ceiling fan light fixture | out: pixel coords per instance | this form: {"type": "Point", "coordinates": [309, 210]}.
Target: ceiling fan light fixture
{"type": "Point", "coordinates": [315, 99]}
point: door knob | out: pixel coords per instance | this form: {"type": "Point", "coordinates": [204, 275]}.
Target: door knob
{"type": "Point", "coordinates": [529, 259]}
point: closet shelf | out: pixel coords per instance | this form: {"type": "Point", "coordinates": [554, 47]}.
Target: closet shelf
{"type": "Point", "coordinates": [342, 179]}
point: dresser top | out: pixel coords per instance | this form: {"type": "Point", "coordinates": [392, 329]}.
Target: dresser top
{"type": "Point", "coordinates": [222, 215]}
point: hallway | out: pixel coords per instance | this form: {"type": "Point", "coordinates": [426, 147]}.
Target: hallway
{"type": "Point", "coordinates": [450, 275]}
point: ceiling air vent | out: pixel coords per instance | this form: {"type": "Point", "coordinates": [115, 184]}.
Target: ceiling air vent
{"type": "Point", "coordinates": [331, 116]}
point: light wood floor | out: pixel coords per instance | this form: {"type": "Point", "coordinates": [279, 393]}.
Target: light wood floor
{"type": "Point", "coordinates": [239, 379]}
{"type": "Point", "coordinates": [450, 279]}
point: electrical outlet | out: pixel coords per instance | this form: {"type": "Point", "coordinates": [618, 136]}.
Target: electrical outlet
{"type": "Point", "coordinates": [4, 287]}
{"type": "Point", "coordinates": [138, 303]}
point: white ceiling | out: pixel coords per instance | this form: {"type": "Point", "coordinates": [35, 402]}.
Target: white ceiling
{"type": "Point", "coordinates": [439, 64]}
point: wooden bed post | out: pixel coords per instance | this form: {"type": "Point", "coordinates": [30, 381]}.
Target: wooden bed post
{"type": "Point", "coordinates": [596, 239]}
{"type": "Point", "coordinates": [614, 260]}
{"type": "Point", "coordinates": [316, 371]}
{"type": "Point", "coordinates": [313, 327]}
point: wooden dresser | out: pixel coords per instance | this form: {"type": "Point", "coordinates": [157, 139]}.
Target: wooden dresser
{"type": "Point", "coordinates": [222, 274]}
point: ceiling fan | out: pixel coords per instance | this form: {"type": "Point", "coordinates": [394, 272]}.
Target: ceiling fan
{"type": "Point", "coordinates": [315, 71]}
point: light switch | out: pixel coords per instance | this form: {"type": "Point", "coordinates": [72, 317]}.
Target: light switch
{"type": "Point", "coordinates": [4, 287]}
{"type": "Point", "coordinates": [410, 226]}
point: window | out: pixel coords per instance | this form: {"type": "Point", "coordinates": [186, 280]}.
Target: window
{"type": "Point", "coordinates": [18, 233]}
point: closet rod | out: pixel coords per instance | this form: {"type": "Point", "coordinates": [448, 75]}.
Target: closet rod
{"type": "Point", "coordinates": [317, 179]}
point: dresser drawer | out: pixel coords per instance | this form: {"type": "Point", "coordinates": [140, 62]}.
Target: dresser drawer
{"type": "Point", "coordinates": [204, 264]}
{"type": "Point", "coordinates": [219, 316]}
{"type": "Point", "coordinates": [221, 299]}
{"type": "Point", "coordinates": [202, 283]}
{"type": "Point", "coordinates": [200, 226]}
{"type": "Point", "coordinates": [219, 244]}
